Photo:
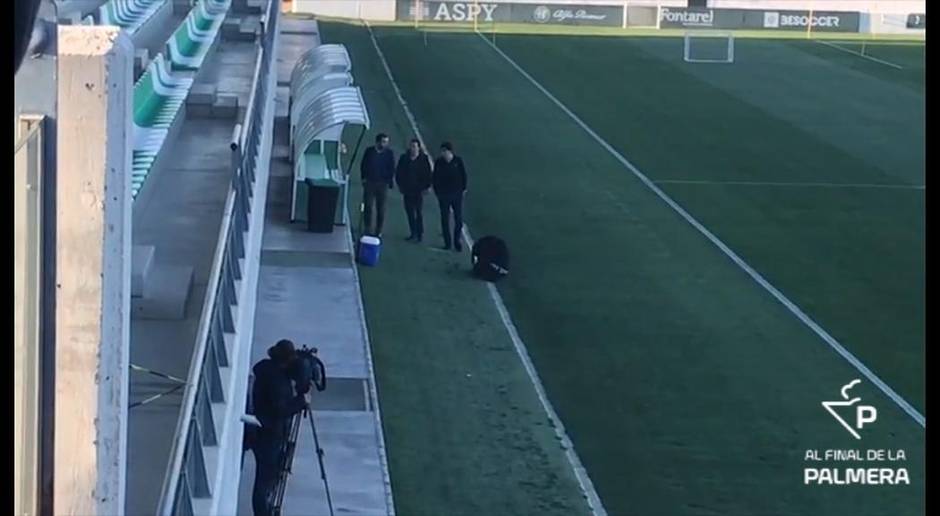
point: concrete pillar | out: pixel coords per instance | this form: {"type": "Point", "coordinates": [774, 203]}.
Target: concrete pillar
{"type": "Point", "coordinates": [93, 264]}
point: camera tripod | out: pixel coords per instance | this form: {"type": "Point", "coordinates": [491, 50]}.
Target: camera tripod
{"type": "Point", "coordinates": [317, 379]}
{"type": "Point", "coordinates": [288, 461]}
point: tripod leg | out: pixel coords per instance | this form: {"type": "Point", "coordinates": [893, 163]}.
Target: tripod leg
{"type": "Point", "coordinates": [316, 443]}
{"type": "Point", "coordinates": [286, 463]}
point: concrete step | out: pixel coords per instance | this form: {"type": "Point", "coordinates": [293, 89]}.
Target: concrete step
{"type": "Point", "coordinates": [244, 28]}
{"type": "Point", "coordinates": [346, 394]}
{"type": "Point", "coordinates": [230, 29]}
{"type": "Point", "coordinates": [202, 93]}
{"type": "Point", "coordinates": [249, 28]}
{"type": "Point", "coordinates": [167, 293]}
{"type": "Point", "coordinates": [225, 106]}
{"type": "Point", "coordinates": [250, 6]}
{"type": "Point", "coordinates": [200, 100]}
{"type": "Point", "coordinates": [299, 27]}
{"type": "Point", "coordinates": [141, 267]}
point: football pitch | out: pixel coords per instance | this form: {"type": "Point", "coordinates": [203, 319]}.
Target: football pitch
{"type": "Point", "coordinates": [702, 254]}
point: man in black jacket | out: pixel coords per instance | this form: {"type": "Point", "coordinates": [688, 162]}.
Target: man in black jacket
{"type": "Point", "coordinates": [413, 176]}
{"type": "Point", "coordinates": [378, 175]}
{"type": "Point", "coordinates": [274, 402]}
{"type": "Point", "coordinates": [450, 185]}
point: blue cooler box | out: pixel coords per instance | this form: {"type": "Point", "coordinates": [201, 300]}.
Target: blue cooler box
{"type": "Point", "coordinates": [369, 247]}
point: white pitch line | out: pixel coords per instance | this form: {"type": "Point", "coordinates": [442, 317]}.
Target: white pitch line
{"type": "Point", "coordinates": [580, 472]}
{"type": "Point", "coordinates": [795, 310]}
{"type": "Point", "coordinates": [808, 184]}
{"type": "Point", "coordinates": [859, 54]}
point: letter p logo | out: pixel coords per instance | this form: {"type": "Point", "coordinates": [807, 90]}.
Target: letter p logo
{"type": "Point", "coordinates": [865, 414]}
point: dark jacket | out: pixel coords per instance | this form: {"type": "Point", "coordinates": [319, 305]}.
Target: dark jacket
{"type": "Point", "coordinates": [449, 178]}
{"type": "Point", "coordinates": [413, 175]}
{"type": "Point", "coordinates": [273, 399]}
{"type": "Point", "coordinates": [378, 167]}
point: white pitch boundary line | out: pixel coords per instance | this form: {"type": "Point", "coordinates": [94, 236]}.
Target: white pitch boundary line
{"type": "Point", "coordinates": [859, 54]}
{"type": "Point", "coordinates": [793, 184]}
{"type": "Point", "coordinates": [584, 481]}
{"type": "Point", "coordinates": [370, 387]}
{"type": "Point", "coordinates": [795, 310]}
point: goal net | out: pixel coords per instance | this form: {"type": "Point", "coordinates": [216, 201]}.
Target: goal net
{"type": "Point", "coordinates": [708, 47]}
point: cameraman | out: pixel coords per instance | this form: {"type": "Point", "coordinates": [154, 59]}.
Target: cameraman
{"type": "Point", "coordinates": [274, 403]}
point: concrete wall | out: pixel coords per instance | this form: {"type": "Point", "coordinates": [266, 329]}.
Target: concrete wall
{"type": "Point", "coordinates": [378, 10]}
{"type": "Point", "coordinates": [890, 6]}
{"type": "Point", "coordinates": [889, 23]}
{"type": "Point", "coordinates": [93, 265]}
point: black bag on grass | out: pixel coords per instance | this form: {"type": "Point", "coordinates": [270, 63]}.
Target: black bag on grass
{"type": "Point", "coordinates": [490, 258]}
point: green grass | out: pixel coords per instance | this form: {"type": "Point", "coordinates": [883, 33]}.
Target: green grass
{"type": "Point", "coordinates": [686, 388]}
{"type": "Point", "coordinates": [464, 428]}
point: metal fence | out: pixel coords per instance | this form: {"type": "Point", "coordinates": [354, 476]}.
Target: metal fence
{"type": "Point", "coordinates": [189, 482]}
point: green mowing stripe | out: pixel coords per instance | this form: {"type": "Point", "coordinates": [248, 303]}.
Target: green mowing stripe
{"type": "Point", "coordinates": [911, 59]}
{"type": "Point", "coordinates": [855, 265]}
{"type": "Point", "coordinates": [861, 55]}
{"type": "Point", "coordinates": [584, 481]}
{"type": "Point", "coordinates": [685, 387]}
{"type": "Point", "coordinates": [464, 429]}
{"type": "Point", "coordinates": [823, 334]}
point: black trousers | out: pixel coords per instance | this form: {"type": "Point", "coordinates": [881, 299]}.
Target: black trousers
{"type": "Point", "coordinates": [268, 460]}
{"type": "Point", "coordinates": [451, 203]}
{"type": "Point", "coordinates": [374, 195]}
{"type": "Point", "coordinates": [414, 205]}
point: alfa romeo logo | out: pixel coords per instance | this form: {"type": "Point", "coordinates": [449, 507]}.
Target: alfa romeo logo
{"type": "Point", "coordinates": [542, 14]}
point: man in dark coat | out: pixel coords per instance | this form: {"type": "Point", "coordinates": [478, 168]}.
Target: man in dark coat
{"type": "Point", "coordinates": [274, 402]}
{"type": "Point", "coordinates": [450, 184]}
{"type": "Point", "coordinates": [413, 176]}
{"type": "Point", "coordinates": [378, 176]}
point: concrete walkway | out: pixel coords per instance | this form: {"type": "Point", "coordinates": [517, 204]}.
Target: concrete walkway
{"type": "Point", "coordinates": [181, 219]}
{"type": "Point", "coordinates": [308, 292]}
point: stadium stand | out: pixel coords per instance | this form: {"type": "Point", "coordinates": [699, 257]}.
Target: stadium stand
{"type": "Point", "coordinates": [158, 97]}
{"type": "Point", "coordinates": [194, 39]}
{"type": "Point", "coordinates": [130, 15]}
{"type": "Point", "coordinates": [160, 93]}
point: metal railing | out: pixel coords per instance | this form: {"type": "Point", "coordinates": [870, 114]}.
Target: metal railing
{"type": "Point", "coordinates": [188, 484]}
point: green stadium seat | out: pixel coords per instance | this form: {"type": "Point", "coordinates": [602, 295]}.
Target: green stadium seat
{"type": "Point", "coordinates": [130, 15]}
{"type": "Point", "coordinates": [159, 94]}
{"type": "Point", "coordinates": [191, 42]}
{"type": "Point", "coordinates": [158, 97]}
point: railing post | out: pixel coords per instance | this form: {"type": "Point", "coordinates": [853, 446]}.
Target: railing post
{"type": "Point", "coordinates": [233, 145]}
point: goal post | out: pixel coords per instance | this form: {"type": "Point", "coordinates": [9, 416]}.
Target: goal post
{"type": "Point", "coordinates": [708, 47]}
